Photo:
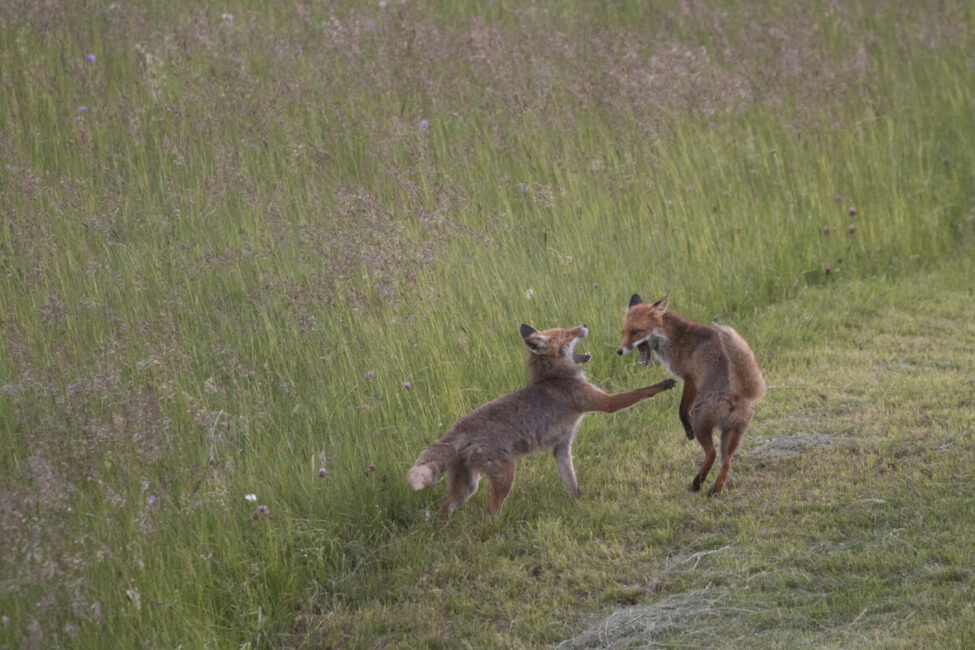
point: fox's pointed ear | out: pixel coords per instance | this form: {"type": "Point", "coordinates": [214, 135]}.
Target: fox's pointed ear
{"type": "Point", "coordinates": [661, 305]}
{"type": "Point", "coordinates": [635, 300]}
{"type": "Point", "coordinates": [533, 339]}
{"type": "Point", "coordinates": [537, 343]}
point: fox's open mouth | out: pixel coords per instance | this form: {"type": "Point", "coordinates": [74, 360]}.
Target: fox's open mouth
{"type": "Point", "coordinates": [576, 357]}
{"type": "Point", "coordinates": [644, 349]}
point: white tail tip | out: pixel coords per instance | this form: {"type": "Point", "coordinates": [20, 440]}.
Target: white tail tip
{"type": "Point", "coordinates": [419, 477]}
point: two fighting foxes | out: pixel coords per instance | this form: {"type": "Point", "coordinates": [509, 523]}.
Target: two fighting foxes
{"type": "Point", "coordinates": [722, 380]}
{"type": "Point", "coordinates": [722, 384]}
{"type": "Point", "coordinates": [545, 414]}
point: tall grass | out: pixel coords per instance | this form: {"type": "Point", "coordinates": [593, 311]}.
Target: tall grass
{"type": "Point", "coordinates": [252, 241]}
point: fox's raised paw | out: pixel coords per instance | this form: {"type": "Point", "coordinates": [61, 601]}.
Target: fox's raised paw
{"type": "Point", "coordinates": [666, 384]}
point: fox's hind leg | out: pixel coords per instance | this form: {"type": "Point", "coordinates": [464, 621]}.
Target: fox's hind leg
{"type": "Point", "coordinates": [704, 432]}
{"type": "Point", "coordinates": [563, 458]}
{"type": "Point", "coordinates": [686, 399]}
{"type": "Point", "coordinates": [502, 477]}
{"type": "Point", "coordinates": [462, 486]}
{"type": "Point", "coordinates": [730, 440]}
{"type": "Point", "coordinates": [471, 481]}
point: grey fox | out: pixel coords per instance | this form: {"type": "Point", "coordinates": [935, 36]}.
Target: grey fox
{"type": "Point", "coordinates": [545, 414]}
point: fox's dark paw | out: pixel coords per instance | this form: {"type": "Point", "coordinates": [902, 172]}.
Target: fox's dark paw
{"type": "Point", "coordinates": [666, 384]}
{"type": "Point", "coordinates": [695, 486]}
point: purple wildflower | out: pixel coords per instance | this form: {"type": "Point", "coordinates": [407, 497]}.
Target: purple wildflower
{"type": "Point", "coordinates": [828, 270]}
{"type": "Point", "coordinates": [407, 385]}
{"type": "Point", "coordinates": [153, 500]}
{"type": "Point", "coordinates": [853, 228]}
{"type": "Point", "coordinates": [424, 124]}
{"type": "Point", "coordinates": [90, 58]}
{"type": "Point", "coordinates": [263, 509]}
{"type": "Point", "coordinates": [853, 211]}
{"type": "Point", "coordinates": [322, 472]}
{"type": "Point", "coordinates": [825, 230]}
{"type": "Point", "coordinates": [5, 620]}
{"type": "Point", "coordinates": [81, 109]}
{"type": "Point", "coordinates": [371, 374]}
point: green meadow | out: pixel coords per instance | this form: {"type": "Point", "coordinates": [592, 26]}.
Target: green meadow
{"type": "Point", "coordinates": [276, 248]}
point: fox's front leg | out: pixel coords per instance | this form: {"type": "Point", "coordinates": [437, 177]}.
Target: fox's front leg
{"type": "Point", "coordinates": [610, 403]}
{"type": "Point", "coordinates": [563, 458]}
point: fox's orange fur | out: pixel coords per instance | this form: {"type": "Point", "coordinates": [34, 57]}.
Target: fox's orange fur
{"type": "Point", "coordinates": [722, 380]}
{"type": "Point", "coordinates": [545, 414]}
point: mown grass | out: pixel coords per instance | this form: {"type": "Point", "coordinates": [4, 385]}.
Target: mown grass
{"type": "Point", "coordinates": [861, 539]}
{"type": "Point", "coordinates": [220, 275]}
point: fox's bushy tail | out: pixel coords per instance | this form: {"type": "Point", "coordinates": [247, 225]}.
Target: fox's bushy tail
{"type": "Point", "coordinates": [746, 377]}
{"type": "Point", "coordinates": [432, 463]}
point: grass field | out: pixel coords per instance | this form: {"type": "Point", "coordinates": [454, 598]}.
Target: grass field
{"type": "Point", "coordinates": [277, 248]}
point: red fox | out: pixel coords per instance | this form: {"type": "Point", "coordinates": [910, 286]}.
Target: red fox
{"type": "Point", "coordinates": [722, 380]}
{"type": "Point", "coordinates": [545, 414]}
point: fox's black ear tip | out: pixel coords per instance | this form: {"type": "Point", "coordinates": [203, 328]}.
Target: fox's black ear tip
{"type": "Point", "coordinates": [635, 300]}
{"type": "Point", "coordinates": [526, 331]}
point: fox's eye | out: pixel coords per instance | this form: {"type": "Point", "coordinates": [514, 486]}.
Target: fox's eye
{"type": "Point", "coordinates": [632, 332]}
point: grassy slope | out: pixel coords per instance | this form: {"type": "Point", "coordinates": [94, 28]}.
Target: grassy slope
{"type": "Point", "coordinates": [865, 540]}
